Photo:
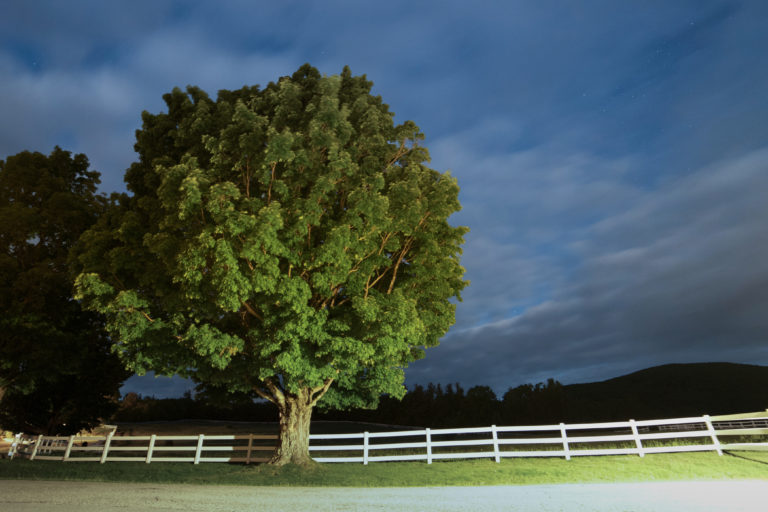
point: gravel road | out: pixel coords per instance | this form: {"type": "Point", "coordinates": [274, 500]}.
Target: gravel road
{"type": "Point", "coordinates": [731, 496]}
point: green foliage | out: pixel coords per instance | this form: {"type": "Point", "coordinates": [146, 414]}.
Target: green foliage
{"type": "Point", "coordinates": [278, 240]}
{"type": "Point", "coordinates": [48, 345]}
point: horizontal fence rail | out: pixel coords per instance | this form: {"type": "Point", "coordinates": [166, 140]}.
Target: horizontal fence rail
{"type": "Point", "coordinates": [703, 433]}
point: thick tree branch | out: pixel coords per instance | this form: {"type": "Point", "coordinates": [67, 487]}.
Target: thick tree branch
{"type": "Point", "coordinates": [151, 320]}
{"type": "Point", "coordinates": [384, 241]}
{"type": "Point", "coordinates": [320, 391]}
{"type": "Point", "coordinates": [357, 265]}
{"type": "Point", "coordinates": [277, 393]}
{"type": "Point", "coordinates": [263, 394]}
{"type": "Point", "coordinates": [402, 150]}
{"type": "Point", "coordinates": [368, 283]}
{"type": "Point", "coordinates": [378, 278]}
{"type": "Point", "coordinates": [247, 177]}
{"type": "Point", "coordinates": [406, 248]}
{"type": "Point", "coordinates": [271, 179]}
{"type": "Point", "coordinates": [252, 311]}
{"type": "Point", "coordinates": [334, 292]}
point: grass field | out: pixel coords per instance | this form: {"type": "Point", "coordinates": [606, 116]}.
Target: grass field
{"type": "Point", "coordinates": [660, 467]}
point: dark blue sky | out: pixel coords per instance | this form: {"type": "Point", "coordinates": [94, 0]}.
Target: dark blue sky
{"type": "Point", "coordinates": [613, 156]}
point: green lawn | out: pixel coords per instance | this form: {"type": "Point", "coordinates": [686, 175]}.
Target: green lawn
{"type": "Point", "coordinates": [681, 466]}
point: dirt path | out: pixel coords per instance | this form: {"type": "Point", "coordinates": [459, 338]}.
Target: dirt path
{"type": "Point", "coordinates": [732, 496]}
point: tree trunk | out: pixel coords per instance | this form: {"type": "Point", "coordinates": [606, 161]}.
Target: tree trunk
{"type": "Point", "coordinates": [295, 414]}
{"type": "Point", "coordinates": [293, 444]}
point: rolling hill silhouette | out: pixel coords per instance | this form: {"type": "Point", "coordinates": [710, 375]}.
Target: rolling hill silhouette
{"type": "Point", "coordinates": [671, 390]}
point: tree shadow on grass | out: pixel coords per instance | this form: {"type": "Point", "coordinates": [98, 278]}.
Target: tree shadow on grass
{"type": "Point", "coordinates": [745, 458]}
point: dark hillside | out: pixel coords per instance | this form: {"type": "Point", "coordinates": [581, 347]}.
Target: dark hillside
{"type": "Point", "coordinates": [672, 390]}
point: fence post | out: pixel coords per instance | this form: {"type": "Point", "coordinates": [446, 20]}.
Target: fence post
{"type": "Point", "coordinates": [107, 442]}
{"type": "Point", "coordinates": [199, 448]}
{"type": "Point", "coordinates": [638, 441]}
{"type": "Point", "coordinates": [14, 446]}
{"type": "Point", "coordinates": [496, 454]}
{"type": "Point", "coordinates": [250, 449]}
{"type": "Point", "coordinates": [151, 448]}
{"type": "Point", "coordinates": [429, 447]}
{"type": "Point", "coordinates": [713, 434]}
{"type": "Point", "coordinates": [69, 448]}
{"type": "Point", "coordinates": [365, 448]}
{"type": "Point", "coordinates": [566, 448]}
{"type": "Point", "coordinates": [37, 447]}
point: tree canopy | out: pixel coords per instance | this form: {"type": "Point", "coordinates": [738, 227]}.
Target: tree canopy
{"type": "Point", "coordinates": [47, 342]}
{"type": "Point", "coordinates": [289, 241]}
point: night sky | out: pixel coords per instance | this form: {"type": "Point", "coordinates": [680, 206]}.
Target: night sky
{"type": "Point", "coordinates": [612, 155]}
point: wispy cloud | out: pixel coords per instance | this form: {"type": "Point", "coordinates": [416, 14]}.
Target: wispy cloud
{"type": "Point", "coordinates": [676, 277]}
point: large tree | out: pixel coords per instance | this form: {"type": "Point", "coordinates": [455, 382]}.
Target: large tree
{"type": "Point", "coordinates": [289, 241]}
{"type": "Point", "coordinates": [47, 342]}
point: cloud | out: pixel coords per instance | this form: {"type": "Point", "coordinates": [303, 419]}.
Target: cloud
{"type": "Point", "coordinates": [679, 276]}
{"type": "Point", "coordinates": [95, 110]}
{"type": "Point", "coordinates": [82, 113]}
{"type": "Point", "coordinates": [526, 211]}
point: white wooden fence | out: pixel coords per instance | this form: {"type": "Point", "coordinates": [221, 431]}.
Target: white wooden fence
{"type": "Point", "coordinates": [154, 448]}
{"type": "Point", "coordinates": [734, 432]}
{"type": "Point", "coordinates": [561, 440]}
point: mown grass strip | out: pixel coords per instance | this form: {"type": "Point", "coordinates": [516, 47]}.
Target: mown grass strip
{"type": "Point", "coordinates": [681, 466]}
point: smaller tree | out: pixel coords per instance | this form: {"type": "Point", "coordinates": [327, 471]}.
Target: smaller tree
{"type": "Point", "coordinates": [54, 356]}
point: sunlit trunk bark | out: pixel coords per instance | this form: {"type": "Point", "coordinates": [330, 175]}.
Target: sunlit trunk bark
{"type": "Point", "coordinates": [293, 444]}
{"type": "Point", "coordinates": [295, 414]}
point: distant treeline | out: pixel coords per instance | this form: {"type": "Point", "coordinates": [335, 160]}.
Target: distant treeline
{"type": "Point", "coordinates": [436, 406]}
{"type": "Point", "coordinates": [428, 406]}
{"type": "Point", "coordinates": [659, 392]}
{"type": "Point", "coordinates": [137, 408]}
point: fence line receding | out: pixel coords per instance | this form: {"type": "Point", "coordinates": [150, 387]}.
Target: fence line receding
{"type": "Point", "coordinates": [703, 433]}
